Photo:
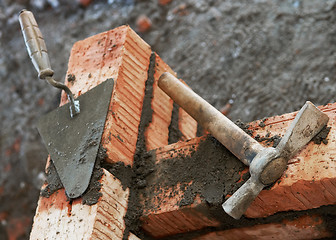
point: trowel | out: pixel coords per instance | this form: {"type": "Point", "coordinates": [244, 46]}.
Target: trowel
{"type": "Point", "coordinates": [71, 133]}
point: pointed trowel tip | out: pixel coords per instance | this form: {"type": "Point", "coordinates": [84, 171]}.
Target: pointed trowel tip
{"type": "Point", "coordinates": [76, 192]}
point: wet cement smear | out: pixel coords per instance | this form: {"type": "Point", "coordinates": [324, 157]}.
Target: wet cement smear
{"type": "Point", "coordinates": [321, 137]}
{"type": "Point", "coordinates": [211, 172]}
{"type": "Point", "coordinates": [53, 181]}
{"type": "Point", "coordinates": [142, 166]}
{"type": "Point", "coordinates": [174, 131]}
{"type": "Point", "coordinates": [91, 195]}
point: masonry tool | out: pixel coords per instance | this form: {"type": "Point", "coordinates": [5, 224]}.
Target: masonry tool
{"type": "Point", "coordinates": [72, 132]}
{"type": "Point", "coordinates": [267, 164]}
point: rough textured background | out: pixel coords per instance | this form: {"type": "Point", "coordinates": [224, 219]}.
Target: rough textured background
{"type": "Point", "coordinates": [263, 57]}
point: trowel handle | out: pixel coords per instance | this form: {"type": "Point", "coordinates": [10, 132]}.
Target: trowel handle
{"type": "Point", "coordinates": [244, 147]}
{"type": "Point", "coordinates": [35, 44]}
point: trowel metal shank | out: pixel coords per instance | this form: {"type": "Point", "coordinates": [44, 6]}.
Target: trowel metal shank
{"type": "Point", "coordinates": [224, 130]}
{"type": "Point", "coordinates": [73, 143]}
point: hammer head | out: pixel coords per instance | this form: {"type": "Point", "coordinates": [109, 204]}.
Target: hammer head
{"type": "Point", "coordinates": [269, 164]}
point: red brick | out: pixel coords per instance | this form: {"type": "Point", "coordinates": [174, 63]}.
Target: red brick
{"type": "Point", "coordinates": [302, 228]}
{"type": "Point", "coordinates": [187, 125]}
{"type": "Point", "coordinates": [309, 182]}
{"type": "Point", "coordinates": [162, 215]}
{"type": "Point", "coordinates": [56, 218]}
{"type": "Point", "coordinates": [122, 55]}
{"type": "Point", "coordinates": [164, 2]}
{"type": "Point", "coordinates": [85, 3]}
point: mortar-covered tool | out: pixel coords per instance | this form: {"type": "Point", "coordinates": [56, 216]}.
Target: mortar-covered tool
{"type": "Point", "coordinates": [266, 164]}
{"type": "Point", "coordinates": [71, 138]}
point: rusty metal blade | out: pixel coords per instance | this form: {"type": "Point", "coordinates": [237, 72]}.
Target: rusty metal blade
{"type": "Point", "coordinates": [73, 142]}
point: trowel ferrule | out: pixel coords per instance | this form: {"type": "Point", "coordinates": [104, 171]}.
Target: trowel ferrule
{"type": "Point", "coordinates": [74, 104]}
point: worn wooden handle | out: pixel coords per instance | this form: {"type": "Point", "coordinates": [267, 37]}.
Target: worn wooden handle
{"type": "Point", "coordinates": [244, 147]}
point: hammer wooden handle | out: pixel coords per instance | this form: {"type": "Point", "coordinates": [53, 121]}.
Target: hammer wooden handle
{"type": "Point", "coordinates": [244, 147]}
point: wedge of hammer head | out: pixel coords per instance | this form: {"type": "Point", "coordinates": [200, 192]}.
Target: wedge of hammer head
{"type": "Point", "coordinates": [266, 164]}
{"type": "Point", "coordinates": [270, 163]}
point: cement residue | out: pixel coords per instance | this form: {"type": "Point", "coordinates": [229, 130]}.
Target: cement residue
{"type": "Point", "coordinates": [3, 232]}
{"type": "Point", "coordinates": [262, 123]}
{"type": "Point", "coordinates": [211, 172]}
{"type": "Point", "coordinates": [245, 127]}
{"type": "Point", "coordinates": [200, 131]}
{"type": "Point", "coordinates": [53, 181]}
{"type": "Point", "coordinates": [174, 131]}
{"type": "Point", "coordinates": [321, 137]}
{"type": "Point", "coordinates": [92, 194]}
{"type": "Point", "coordinates": [71, 78]}
{"type": "Point", "coordinates": [121, 171]}
{"type": "Point", "coordinates": [142, 165]}
{"type": "Point", "coordinates": [330, 220]}
{"type": "Point", "coordinates": [271, 141]}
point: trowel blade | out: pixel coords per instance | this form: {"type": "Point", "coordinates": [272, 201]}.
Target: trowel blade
{"type": "Point", "coordinates": [73, 142]}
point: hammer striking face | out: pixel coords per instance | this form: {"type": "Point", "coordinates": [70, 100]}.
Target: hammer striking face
{"type": "Point", "coordinates": [266, 164]}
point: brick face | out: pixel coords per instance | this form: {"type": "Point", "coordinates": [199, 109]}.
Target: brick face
{"type": "Point", "coordinates": [56, 218]}
{"type": "Point", "coordinates": [122, 55]}
{"type": "Point", "coordinates": [162, 215]}
{"type": "Point", "coordinates": [302, 228]}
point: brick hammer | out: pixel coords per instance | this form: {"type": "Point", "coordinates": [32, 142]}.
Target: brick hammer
{"type": "Point", "coordinates": [266, 164]}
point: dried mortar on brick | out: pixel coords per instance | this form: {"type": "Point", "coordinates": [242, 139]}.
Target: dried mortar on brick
{"type": "Point", "coordinates": [271, 141]}
{"type": "Point", "coordinates": [53, 181]}
{"type": "Point", "coordinates": [210, 171]}
{"type": "Point", "coordinates": [141, 166]}
{"type": "Point", "coordinates": [91, 195]}
{"type": "Point", "coordinates": [174, 131]}
{"type": "Point", "coordinates": [321, 137]}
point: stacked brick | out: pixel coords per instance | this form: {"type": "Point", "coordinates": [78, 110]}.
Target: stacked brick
{"type": "Point", "coordinates": [121, 54]}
